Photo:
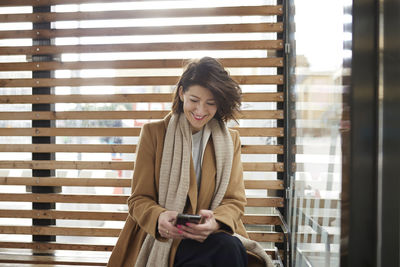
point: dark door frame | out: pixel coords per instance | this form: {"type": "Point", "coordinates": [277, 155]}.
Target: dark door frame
{"type": "Point", "coordinates": [374, 195]}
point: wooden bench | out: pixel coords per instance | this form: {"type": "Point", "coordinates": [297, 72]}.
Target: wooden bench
{"type": "Point", "coordinates": [16, 251]}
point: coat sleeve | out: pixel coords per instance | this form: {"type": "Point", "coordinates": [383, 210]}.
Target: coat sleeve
{"type": "Point", "coordinates": [143, 203]}
{"type": "Point", "coordinates": [231, 209]}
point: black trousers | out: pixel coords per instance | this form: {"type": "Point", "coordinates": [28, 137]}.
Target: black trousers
{"type": "Point", "coordinates": [218, 250]}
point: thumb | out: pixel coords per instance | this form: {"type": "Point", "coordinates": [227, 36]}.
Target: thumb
{"type": "Point", "coordinates": [206, 213]}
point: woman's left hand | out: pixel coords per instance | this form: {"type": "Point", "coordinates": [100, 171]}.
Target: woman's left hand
{"type": "Point", "coordinates": [200, 232]}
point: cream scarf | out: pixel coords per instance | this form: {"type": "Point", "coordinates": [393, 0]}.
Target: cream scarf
{"type": "Point", "coordinates": [175, 180]}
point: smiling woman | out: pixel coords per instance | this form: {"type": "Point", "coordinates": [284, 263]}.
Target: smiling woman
{"type": "Point", "coordinates": [189, 162]}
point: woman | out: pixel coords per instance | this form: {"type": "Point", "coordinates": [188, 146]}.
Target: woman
{"type": "Point", "coordinates": [190, 163]}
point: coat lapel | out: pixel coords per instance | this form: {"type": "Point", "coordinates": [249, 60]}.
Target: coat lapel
{"type": "Point", "coordinates": [207, 184]}
{"type": "Point", "coordinates": [192, 194]}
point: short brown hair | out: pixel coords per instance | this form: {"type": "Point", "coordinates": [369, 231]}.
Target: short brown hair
{"type": "Point", "coordinates": [209, 73]}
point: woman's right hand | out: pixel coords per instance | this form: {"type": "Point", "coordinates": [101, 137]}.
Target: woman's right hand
{"type": "Point", "coordinates": [166, 225]}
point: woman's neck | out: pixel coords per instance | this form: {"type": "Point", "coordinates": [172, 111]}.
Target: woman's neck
{"type": "Point", "coordinates": [194, 131]}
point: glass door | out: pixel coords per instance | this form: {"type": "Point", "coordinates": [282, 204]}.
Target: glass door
{"type": "Point", "coordinates": [320, 59]}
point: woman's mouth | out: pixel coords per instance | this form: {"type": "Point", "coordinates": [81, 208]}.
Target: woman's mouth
{"type": "Point", "coordinates": [198, 118]}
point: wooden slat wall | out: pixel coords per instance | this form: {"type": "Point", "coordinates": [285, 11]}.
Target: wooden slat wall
{"type": "Point", "coordinates": [97, 88]}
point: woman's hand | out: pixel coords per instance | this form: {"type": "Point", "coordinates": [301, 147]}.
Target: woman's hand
{"type": "Point", "coordinates": [166, 225]}
{"type": "Point", "coordinates": [200, 232]}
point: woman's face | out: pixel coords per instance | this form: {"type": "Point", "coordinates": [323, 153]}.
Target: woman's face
{"type": "Point", "coordinates": [199, 106]}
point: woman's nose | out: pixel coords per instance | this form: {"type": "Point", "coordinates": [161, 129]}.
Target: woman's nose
{"type": "Point", "coordinates": [200, 108]}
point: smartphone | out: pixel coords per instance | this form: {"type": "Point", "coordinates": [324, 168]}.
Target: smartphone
{"type": "Point", "coordinates": [182, 219]}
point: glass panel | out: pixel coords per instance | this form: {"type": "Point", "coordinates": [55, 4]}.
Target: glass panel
{"type": "Point", "coordinates": [319, 122]}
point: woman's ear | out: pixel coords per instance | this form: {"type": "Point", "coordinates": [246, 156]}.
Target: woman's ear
{"type": "Point", "coordinates": [180, 91]}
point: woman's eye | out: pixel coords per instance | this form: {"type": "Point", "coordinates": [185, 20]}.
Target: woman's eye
{"type": "Point", "coordinates": [194, 100]}
{"type": "Point", "coordinates": [211, 104]}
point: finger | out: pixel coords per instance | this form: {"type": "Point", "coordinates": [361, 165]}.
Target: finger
{"type": "Point", "coordinates": [184, 230]}
{"type": "Point", "coordinates": [197, 237]}
{"type": "Point", "coordinates": [164, 233]}
{"type": "Point", "coordinates": [207, 213]}
{"type": "Point", "coordinates": [178, 233]}
{"type": "Point", "coordinates": [172, 232]}
{"type": "Point", "coordinates": [194, 228]}
{"type": "Point", "coordinates": [190, 228]}
{"type": "Point", "coordinates": [191, 232]}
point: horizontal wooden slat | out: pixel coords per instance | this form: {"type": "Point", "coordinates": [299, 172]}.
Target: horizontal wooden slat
{"type": "Point", "coordinates": [70, 132]}
{"type": "Point", "coordinates": [60, 231]}
{"type": "Point", "coordinates": [262, 166]}
{"type": "Point", "coordinates": [64, 215]}
{"type": "Point", "coordinates": [41, 260]}
{"type": "Point", "coordinates": [109, 148]}
{"type": "Point", "coordinates": [151, 13]}
{"type": "Point", "coordinates": [64, 198]}
{"type": "Point", "coordinates": [114, 182]}
{"type": "Point", "coordinates": [261, 132]}
{"type": "Point", "coordinates": [111, 216]}
{"type": "Point", "coordinates": [132, 64]}
{"type": "Point", "coordinates": [77, 148]}
{"type": "Point", "coordinates": [263, 184]}
{"type": "Point", "coordinates": [60, 181]}
{"type": "Point", "coordinates": [46, 246]}
{"type": "Point", "coordinates": [260, 114]}
{"type": "Point", "coordinates": [117, 81]}
{"type": "Point", "coordinates": [119, 115]}
{"type": "Point", "coordinates": [55, 246]}
{"type": "Point", "coordinates": [262, 219]}
{"type": "Point", "coordinates": [83, 115]}
{"type": "Point", "coordinates": [149, 30]}
{"type": "Point", "coordinates": [76, 165]}
{"type": "Point", "coordinates": [42, 246]}
{"type": "Point", "coordinates": [263, 97]}
{"type": "Point", "coordinates": [142, 47]}
{"type": "Point", "coordinates": [266, 236]}
{"type": "Point", "coordinates": [108, 232]}
{"type": "Point", "coordinates": [49, 260]}
{"type": "Point", "coordinates": [59, 2]}
{"type": "Point", "coordinates": [118, 98]}
{"type": "Point", "coordinates": [121, 81]}
{"type": "Point", "coordinates": [109, 98]}
{"type": "Point", "coordinates": [243, 131]}
{"type": "Point", "coordinates": [258, 149]}
{"type": "Point", "coordinates": [112, 199]}
{"type": "Point", "coordinates": [110, 165]}
{"type": "Point", "coordinates": [265, 202]}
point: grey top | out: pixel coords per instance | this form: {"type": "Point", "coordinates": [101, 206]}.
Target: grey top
{"type": "Point", "coordinates": [197, 154]}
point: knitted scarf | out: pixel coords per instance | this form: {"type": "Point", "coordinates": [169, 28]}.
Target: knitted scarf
{"type": "Point", "coordinates": [175, 179]}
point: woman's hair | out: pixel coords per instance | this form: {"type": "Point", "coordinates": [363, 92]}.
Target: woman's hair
{"type": "Point", "coordinates": [209, 73]}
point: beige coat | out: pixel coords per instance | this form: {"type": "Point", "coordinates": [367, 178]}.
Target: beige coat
{"type": "Point", "coordinates": [143, 207]}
